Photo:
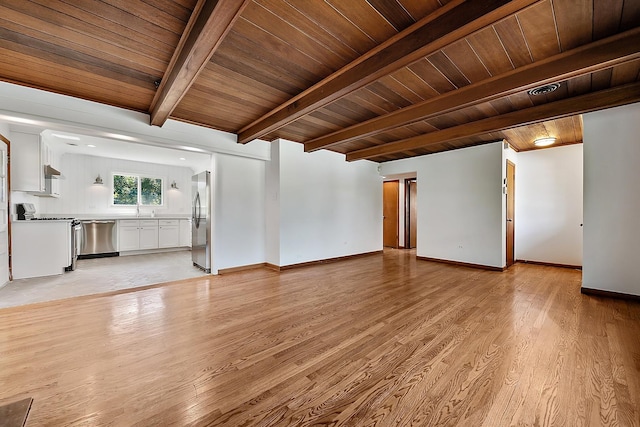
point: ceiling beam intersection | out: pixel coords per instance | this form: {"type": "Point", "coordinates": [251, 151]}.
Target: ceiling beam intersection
{"type": "Point", "coordinates": [582, 60]}
{"type": "Point", "coordinates": [452, 22]}
{"type": "Point", "coordinates": [612, 97]}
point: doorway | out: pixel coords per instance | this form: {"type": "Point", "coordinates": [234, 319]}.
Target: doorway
{"type": "Point", "coordinates": [510, 214]}
{"type": "Point", "coordinates": [411, 213]}
{"type": "Point", "coordinates": [390, 212]}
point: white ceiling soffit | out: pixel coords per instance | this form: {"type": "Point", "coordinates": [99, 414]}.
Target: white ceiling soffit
{"type": "Point", "coordinates": [73, 143]}
{"type": "Point", "coordinates": [42, 110]}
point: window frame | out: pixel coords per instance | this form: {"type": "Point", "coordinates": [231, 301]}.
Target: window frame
{"type": "Point", "coordinates": [139, 178]}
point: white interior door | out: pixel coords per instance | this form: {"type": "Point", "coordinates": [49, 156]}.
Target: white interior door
{"type": "Point", "coordinates": [4, 217]}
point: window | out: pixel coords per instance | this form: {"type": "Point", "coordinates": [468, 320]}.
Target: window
{"type": "Point", "coordinates": [131, 190]}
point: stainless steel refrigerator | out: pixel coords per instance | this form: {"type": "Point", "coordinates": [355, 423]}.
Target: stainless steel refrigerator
{"type": "Point", "coordinates": [201, 221]}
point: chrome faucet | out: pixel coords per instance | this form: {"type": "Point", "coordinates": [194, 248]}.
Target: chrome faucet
{"type": "Point", "coordinates": [137, 210]}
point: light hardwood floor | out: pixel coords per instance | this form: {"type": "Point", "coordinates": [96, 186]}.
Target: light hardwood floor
{"type": "Point", "coordinates": [380, 340]}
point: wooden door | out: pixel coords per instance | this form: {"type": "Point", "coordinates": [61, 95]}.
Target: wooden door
{"type": "Point", "coordinates": [390, 221]}
{"type": "Point", "coordinates": [511, 204]}
{"type": "Point", "coordinates": [411, 213]}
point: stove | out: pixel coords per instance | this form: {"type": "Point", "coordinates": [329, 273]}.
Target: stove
{"type": "Point", "coordinates": [27, 211]}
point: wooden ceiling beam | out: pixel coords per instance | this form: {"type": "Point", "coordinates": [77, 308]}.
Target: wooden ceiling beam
{"type": "Point", "coordinates": [585, 59]}
{"type": "Point", "coordinates": [613, 97]}
{"type": "Point", "coordinates": [209, 24]}
{"type": "Point", "coordinates": [452, 22]}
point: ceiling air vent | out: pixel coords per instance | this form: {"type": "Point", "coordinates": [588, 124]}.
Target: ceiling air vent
{"type": "Point", "coordinates": [543, 90]}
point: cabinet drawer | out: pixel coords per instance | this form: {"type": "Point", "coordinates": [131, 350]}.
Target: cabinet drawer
{"type": "Point", "coordinates": [148, 223]}
{"type": "Point", "coordinates": [128, 223]}
{"type": "Point", "coordinates": [168, 222]}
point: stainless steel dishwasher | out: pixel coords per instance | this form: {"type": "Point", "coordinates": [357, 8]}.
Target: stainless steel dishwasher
{"type": "Point", "coordinates": [98, 239]}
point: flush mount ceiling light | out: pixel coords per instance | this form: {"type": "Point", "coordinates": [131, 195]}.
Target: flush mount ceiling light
{"type": "Point", "coordinates": [544, 142]}
{"type": "Point", "coordinates": [543, 90]}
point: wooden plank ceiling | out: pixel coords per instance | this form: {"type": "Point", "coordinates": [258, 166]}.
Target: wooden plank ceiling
{"type": "Point", "coordinates": [373, 79]}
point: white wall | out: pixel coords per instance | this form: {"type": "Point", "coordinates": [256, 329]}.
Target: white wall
{"type": "Point", "coordinates": [238, 211]}
{"type": "Point", "coordinates": [4, 130]}
{"type": "Point", "coordinates": [460, 195]}
{"type": "Point", "coordinates": [460, 203]}
{"type": "Point", "coordinates": [272, 206]}
{"type": "Point", "coordinates": [612, 200]}
{"type": "Point", "coordinates": [549, 205]}
{"type": "Point", "coordinates": [328, 207]}
{"type": "Point", "coordinates": [78, 195]}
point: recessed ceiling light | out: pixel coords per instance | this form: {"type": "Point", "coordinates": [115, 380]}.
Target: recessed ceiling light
{"type": "Point", "coordinates": [182, 158]}
{"type": "Point", "coordinates": [91, 145]}
{"type": "Point", "coordinates": [120, 136]}
{"type": "Point", "coordinates": [73, 138]}
{"type": "Point", "coordinates": [186, 147]}
{"type": "Point", "coordinates": [20, 120]}
{"type": "Point", "coordinates": [544, 142]}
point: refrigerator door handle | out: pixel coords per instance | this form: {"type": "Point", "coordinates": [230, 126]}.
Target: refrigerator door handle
{"type": "Point", "coordinates": [193, 210]}
{"type": "Point", "coordinates": [197, 207]}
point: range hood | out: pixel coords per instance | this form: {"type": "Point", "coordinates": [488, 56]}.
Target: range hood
{"type": "Point", "coordinates": [49, 171]}
{"type": "Point", "coordinates": [50, 174]}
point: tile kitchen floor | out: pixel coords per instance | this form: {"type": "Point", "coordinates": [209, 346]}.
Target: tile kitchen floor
{"type": "Point", "coordinates": [99, 275]}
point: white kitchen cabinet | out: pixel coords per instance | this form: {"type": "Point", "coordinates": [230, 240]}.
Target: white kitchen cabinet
{"type": "Point", "coordinates": [145, 234]}
{"type": "Point", "coordinates": [185, 232]}
{"type": "Point", "coordinates": [128, 235]}
{"type": "Point", "coordinates": [168, 233]}
{"type": "Point", "coordinates": [29, 155]}
{"type": "Point", "coordinates": [148, 234]}
{"type": "Point", "coordinates": [136, 235]}
{"type": "Point", "coordinates": [27, 162]}
{"type": "Point", "coordinates": [40, 248]}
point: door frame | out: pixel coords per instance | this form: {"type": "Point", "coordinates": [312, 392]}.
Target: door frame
{"type": "Point", "coordinates": [8, 198]}
{"type": "Point", "coordinates": [408, 203]}
{"type": "Point", "coordinates": [510, 238]}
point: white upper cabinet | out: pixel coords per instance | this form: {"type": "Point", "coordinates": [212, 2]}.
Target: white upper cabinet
{"type": "Point", "coordinates": [29, 156]}
{"type": "Point", "coordinates": [27, 162]}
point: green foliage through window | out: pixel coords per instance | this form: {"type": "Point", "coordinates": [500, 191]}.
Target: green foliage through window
{"type": "Point", "coordinates": [131, 190]}
{"type": "Point", "coordinates": [150, 191]}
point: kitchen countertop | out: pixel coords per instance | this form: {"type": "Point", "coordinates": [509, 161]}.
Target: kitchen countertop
{"type": "Point", "coordinates": [116, 218]}
{"type": "Point", "coordinates": [102, 217]}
